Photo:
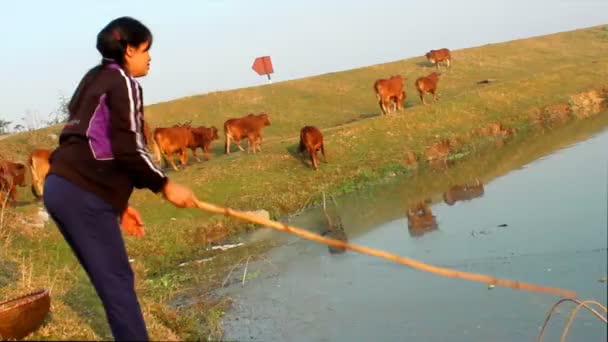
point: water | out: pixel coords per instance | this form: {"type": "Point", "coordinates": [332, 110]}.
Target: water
{"type": "Point", "coordinates": [542, 218]}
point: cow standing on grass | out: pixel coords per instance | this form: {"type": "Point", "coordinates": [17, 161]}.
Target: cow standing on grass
{"type": "Point", "coordinates": [203, 137]}
{"type": "Point", "coordinates": [172, 140]}
{"type": "Point", "coordinates": [11, 175]}
{"type": "Point", "coordinates": [441, 55]}
{"type": "Point", "coordinates": [389, 93]}
{"type": "Point", "coordinates": [250, 127]}
{"type": "Point", "coordinates": [426, 85]}
{"type": "Point", "coordinates": [179, 138]}
{"type": "Point", "coordinates": [311, 140]}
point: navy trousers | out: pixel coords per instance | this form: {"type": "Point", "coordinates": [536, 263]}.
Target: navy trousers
{"type": "Point", "coordinates": [91, 228]}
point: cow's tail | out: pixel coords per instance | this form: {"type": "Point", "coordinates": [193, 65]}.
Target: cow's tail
{"type": "Point", "coordinates": [155, 145]}
{"type": "Point", "coordinates": [376, 91]}
{"type": "Point", "coordinates": [34, 174]}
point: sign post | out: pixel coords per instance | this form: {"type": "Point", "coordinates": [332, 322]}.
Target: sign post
{"type": "Point", "coordinates": [263, 66]}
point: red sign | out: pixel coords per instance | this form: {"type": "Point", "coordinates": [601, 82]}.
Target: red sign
{"type": "Point", "coordinates": [263, 65]}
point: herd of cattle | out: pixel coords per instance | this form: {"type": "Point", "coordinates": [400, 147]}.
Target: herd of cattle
{"type": "Point", "coordinates": [165, 142]}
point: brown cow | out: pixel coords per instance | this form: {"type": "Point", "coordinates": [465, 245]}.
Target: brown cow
{"type": "Point", "coordinates": [170, 140]}
{"type": "Point", "coordinates": [203, 137]}
{"type": "Point", "coordinates": [427, 84]}
{"type": "Point", "coordinates": [39, 167]}
{"type": "Point", "coordinates": [311, 140]}
{"type": "Point", "coordinates": [11, 175]}
{"type": "Point", "coordinates": [390, 92]}
{"type": "Point", "coordinates": [250, 127]}
{"type": "Point", "coordinates": [441, 55]}
{"type": "Point", "coordinates": [464, 192]}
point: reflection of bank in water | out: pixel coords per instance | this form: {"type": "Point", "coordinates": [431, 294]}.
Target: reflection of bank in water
{"type": "Point", "coordinates": [420, 219]}
{"type": "Point", "coordinates": [465, 192]}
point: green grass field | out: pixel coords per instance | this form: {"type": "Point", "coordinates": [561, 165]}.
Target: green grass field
{"type": "Point", "coordinates": [532, 77]}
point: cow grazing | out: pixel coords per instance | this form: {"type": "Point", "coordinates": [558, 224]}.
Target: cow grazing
{"type": "Point", "coordinates": [170, 140]}
{"type": "Point", "coordinates": [39, 165]}
{"type": "Point", "coordinates": [311, 140]}
{"type": "Point", "coordinates": [250, 127]}
{"type": "Point", "coordinates": [389, 92]}
{"type": "Point", "coordinates": [426, 85]}
{"type": "Point", "coordinates": [441, 55]}
{"type": "Point", "coordinates": [11, 175]}
{"type": "Point", "coordinates": [203, 137]}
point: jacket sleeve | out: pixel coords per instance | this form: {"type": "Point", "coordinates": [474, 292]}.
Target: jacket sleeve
{"type": "Point", "coordinates": [128, 144]}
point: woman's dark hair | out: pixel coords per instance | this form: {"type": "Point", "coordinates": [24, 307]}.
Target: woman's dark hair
{"type": "Point", "coordinates": [112, 43]}
{"type": "Point", "coordinates": [113, 39]}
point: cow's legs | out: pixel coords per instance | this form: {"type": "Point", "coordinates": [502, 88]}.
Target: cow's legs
{"type": "Point", "coordinates": [386, 103]}
{"type": "Point", "coordinates": [422, 97]}
{"type": "Point", "coordinates": [238, 144]}
{"type": "Point", "coordinates": [227, 147]}
{"type": "Point", "coordinates": [383, 106]}
{"type": "Point", "coordinates": [393, 104]}
{"type": "Point", "coordinates": [206, 153]}
{"type": "Point", "coordinates": [194, 154]}
{"type": "Point", "coordinates": [183, 156]}
{"type": "Point", "coordinates": [313, 157]}
{"type": "Point", "coordinates": [434, 92]}
{"type": "Point", "coordinates": [171, 161]}
{"type": "Point", "coordinates": [250, 144]}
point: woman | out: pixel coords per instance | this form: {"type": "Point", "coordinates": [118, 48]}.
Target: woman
{"type": "Point", "coordinates": [102, 156]}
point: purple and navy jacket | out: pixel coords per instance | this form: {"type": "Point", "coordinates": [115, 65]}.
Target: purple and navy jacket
{"type": "Point", "coordinates": [102, 147]}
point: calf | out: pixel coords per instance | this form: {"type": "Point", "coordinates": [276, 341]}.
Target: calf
{"type": "Point", "coordinates": [172, 140]}
{"type": "Point", "coordinates": [250, 127]}
{"type": "Point", "coordinates": [203, 137]}
{"type": "Point", "coordinates": [311, 140]}
{"type": "Point", "coordinates": [441, 55]}
{"type": "Point", "coordinates": [389, 92]}
{"type": "Point", "coordinates": [11, 175]}
{"type": "Point", "coordinates": [39, 163]}
{"type": "Point", "coordinates": [426, 85]}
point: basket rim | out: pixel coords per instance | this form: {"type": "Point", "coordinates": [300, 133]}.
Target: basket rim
{"type": "Point", "coordinates": [33, 296]}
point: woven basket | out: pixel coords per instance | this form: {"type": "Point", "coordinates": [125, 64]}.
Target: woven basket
{"type": "Point", "coordinates": [22, 315]}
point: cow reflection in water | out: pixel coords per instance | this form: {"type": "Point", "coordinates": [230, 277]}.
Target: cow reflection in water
{"type": "Point", "coordinates": [420, 219]}
{"type": "Point", "coordinates": [464, 192]}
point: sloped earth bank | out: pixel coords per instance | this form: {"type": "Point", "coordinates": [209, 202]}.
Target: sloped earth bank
{"type": "Point", "coordinates": [533, 210]}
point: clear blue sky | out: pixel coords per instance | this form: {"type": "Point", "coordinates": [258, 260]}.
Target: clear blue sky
{"type": "Point", "coordinates": [207, 45]}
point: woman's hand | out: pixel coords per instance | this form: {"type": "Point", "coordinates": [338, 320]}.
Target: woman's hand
{"type": "Point", "coordinates": [131, 222]}
{"type": "Point", "coordinates": [179, 195]}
